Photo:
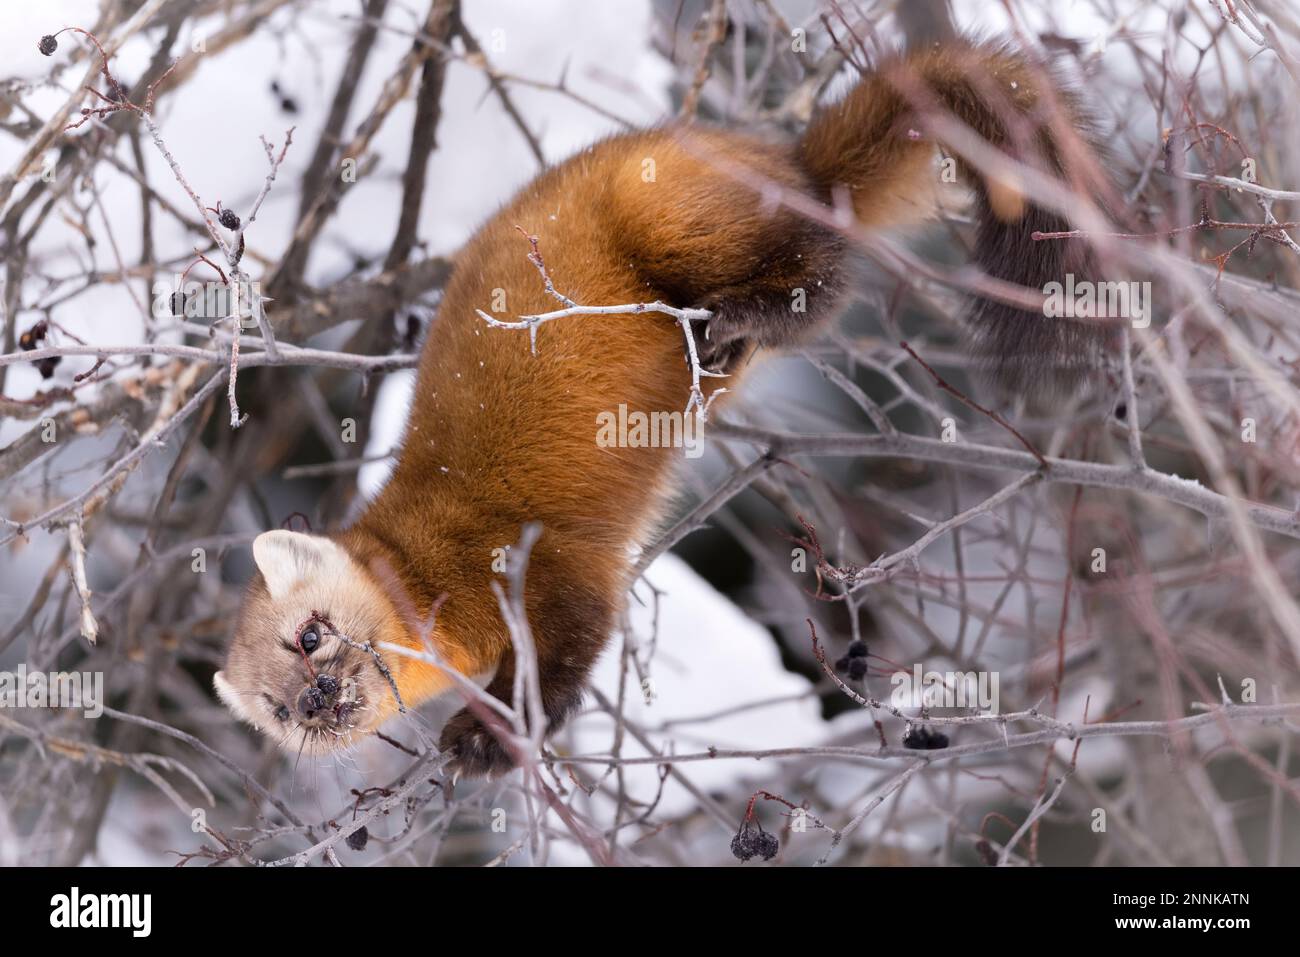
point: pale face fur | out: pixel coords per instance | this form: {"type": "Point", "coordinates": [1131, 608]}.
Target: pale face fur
{"type": "Point", "coordinates": [335, 694]}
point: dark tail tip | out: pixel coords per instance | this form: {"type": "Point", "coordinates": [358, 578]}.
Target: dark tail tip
{"type": "Point", "coordinates": [1032, 351]}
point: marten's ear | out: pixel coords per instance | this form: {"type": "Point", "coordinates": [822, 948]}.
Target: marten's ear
{"type": "Point", "coordinates": [232, 699]}
{"type": "Point", "coordinates": [286, 559]}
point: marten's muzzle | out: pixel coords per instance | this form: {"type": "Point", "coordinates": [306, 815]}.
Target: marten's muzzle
{"type": "Point", "coordinates": [327, 701]}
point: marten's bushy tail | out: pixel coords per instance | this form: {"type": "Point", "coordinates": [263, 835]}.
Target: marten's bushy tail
{"type": "Point", "coordinates": [877, 144]}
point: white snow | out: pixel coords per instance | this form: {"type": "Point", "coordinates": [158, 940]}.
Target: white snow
{"type": "Point", "coordinates": [708, 658]}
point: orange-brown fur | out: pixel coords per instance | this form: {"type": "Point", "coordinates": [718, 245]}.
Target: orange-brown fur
{"type": "Point", "coordinates": [498, 436]}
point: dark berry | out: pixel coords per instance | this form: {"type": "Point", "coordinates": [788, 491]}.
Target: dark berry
{"type": "Point", "coordinates": [1121, 410]}
{"type": "Point", "coordinates": [857, 668]}
{"type": "Point", "coordinates": [858, 649]}
{"type": "Point", "coordinates": [985, 850]}
{"type": "Point", "coordinates": [742, 845]}
{"type": "Point", "coordinates": [358, 838]}
{"type": "Point", "coordinates": [289, 105]}
{"type": "Point", "coordinates": [766, 845]}
{"type": "Point", "coordinates": [229, 219]}
{"type": "Point", "coordinates": [328, 684]}
{"type": "Point", "coordinates": [921, 738]}
{"type": "Point", "coordinates": [317, 698]}
{"type": "Point", "coordinates": [32, 337]}
{"type": "Point", "coordinates": [47, 365]}
{"type": "Point", "coordinates": [842, 664]}
{"type": "Point", "coordinates": [48, 45]}
{"type": "Point", "coordinates": [179, 301]}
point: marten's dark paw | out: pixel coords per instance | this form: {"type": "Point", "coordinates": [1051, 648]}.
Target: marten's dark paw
{"type": "Point", "coordinates": [738, 327]}
{"type": "Point", "coordinates": [722, 339]}
{"type": "Point", "coordinates": [724, 342]}
{"type": "Point", "coordinates": [476, 751]}
{"type": "Point", "coordinates": [724, 357]}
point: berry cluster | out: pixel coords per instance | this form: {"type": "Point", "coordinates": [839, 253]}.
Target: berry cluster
{"type": "Point", "coordinates": [32, 339]}
{"type": "Point", "coordinates": [327, 684]}
{"type": "Point", "coordinates": [752, 841]}
{"type": "Point", "coordinates": [920, 738]}
{"type": "Point", "coordinates": [854, 664]}
{"type": "Point", "coordinates": [287, 103]}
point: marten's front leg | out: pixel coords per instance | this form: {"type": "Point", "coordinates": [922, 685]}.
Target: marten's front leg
{"type": "Point", "coordinates": [569, 625]}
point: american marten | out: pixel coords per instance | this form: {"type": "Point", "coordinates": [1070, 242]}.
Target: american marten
{"type": "Point", "coordinates": [501, 435]}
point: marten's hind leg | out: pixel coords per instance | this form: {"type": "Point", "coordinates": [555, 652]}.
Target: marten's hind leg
{"type": "Point", "coordinates": [776, 307]}
{"type": "Point", "coordinates": [707, 227]}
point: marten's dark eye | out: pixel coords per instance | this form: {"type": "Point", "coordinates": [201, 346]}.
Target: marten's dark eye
{"type": "Point", "coordinates": [282, 713]}
{"type": "Point", "coordinates": [309, 639]}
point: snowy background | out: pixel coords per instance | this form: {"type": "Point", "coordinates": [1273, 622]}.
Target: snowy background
{"type": "Point", "coordinates": [721, 676]}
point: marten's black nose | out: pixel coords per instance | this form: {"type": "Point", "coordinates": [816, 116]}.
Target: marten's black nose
{"type": "Point", "coordinates": [310, 702]}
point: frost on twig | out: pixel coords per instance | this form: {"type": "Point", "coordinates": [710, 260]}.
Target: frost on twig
{"type": "Point", "coordinates": [77, 549]}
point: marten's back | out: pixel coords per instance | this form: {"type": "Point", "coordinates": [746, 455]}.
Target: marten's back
{"type": "Point", "coordinates": [633, 219]}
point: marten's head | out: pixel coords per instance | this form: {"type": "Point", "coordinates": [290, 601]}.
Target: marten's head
{"type": "Point", "coordinates": [307, 664]}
